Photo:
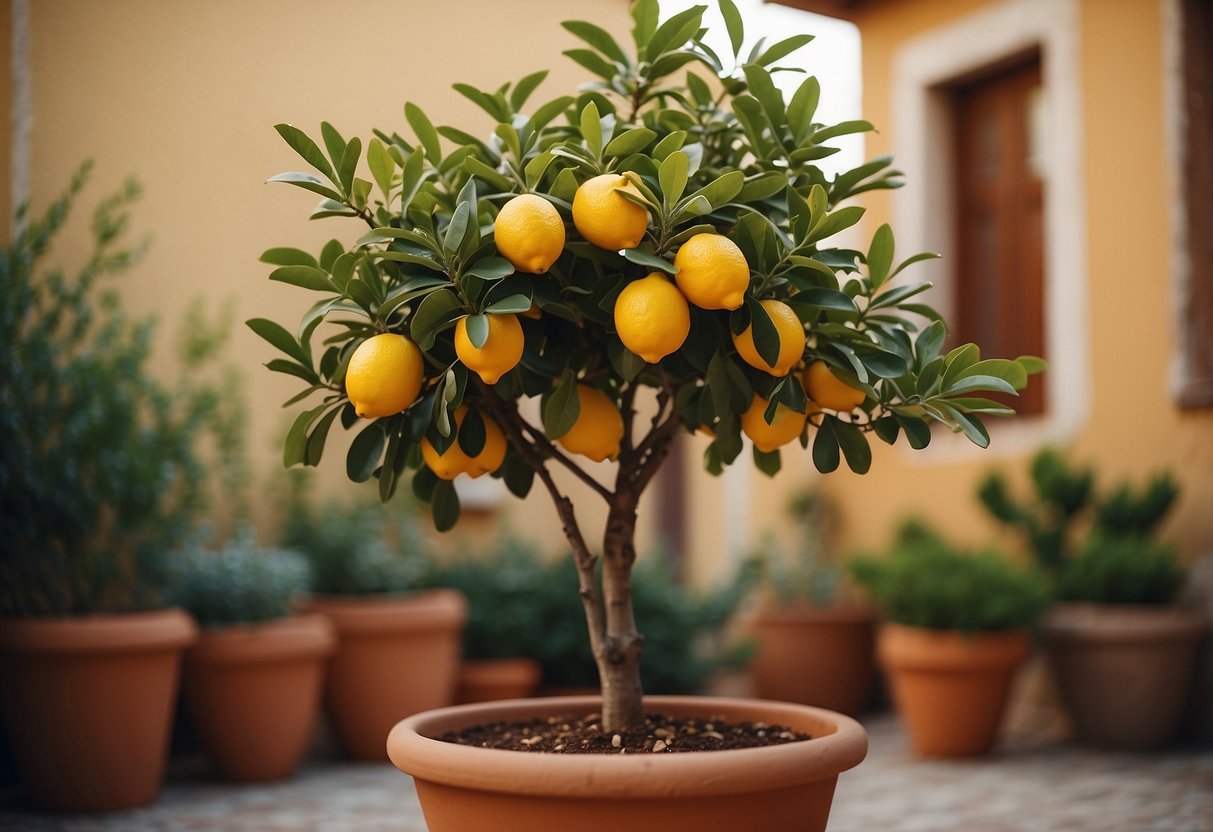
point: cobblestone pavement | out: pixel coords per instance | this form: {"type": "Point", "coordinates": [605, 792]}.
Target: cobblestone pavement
{"type": "Point", "coordinates": [1056, 789]}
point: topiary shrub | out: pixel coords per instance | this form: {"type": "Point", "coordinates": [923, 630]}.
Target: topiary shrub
{"type": "Point", "coordinates": [1121, 569]}
{"type": "Point", "coordinates": [238, 584]}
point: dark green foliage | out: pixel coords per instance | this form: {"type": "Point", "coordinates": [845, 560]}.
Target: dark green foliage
{"type": "Point", "coordinates": [811, 572]}
{"type": "Point", "coordinates": [100, 472]}
{"type": "Point", "coordinates": [1121, 569]}
{"type": "Point", "coordinates": [239, 583]}
{"type": "Point", "coordinates": [927, 582]}
{"type": "Point", "coordinates": [357, 548]}
{"type": "Point", "coordinates": [522, 605]}
{"type": "Point", "coordinates": [1127, 511]}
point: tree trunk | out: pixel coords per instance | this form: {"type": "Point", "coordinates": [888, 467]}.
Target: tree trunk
{"type": "Point", "coordinates": [618, 656]}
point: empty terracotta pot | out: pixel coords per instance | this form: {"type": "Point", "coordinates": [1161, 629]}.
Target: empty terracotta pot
{"type": "Point", "coordinates": [88, 703]}
{"type": "Point", "coordinates": [1124, 671]}
{"type": "Point", "coordinates": [823, 656]}
{"type": "Point", "coordinates": [395, 656]}
{"type": "Point", "coordinates": [783, 788]}
{"type": "Point", "coordinates": [950, 688]}
{"type": "Point", "coordinates": [488, 680]}
{"type": "Point", "coordinates": [254, 693]}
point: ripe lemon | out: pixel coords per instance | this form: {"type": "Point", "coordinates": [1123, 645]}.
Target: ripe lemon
{"type": "Point", "coordinates": [652, 317]}
{"type": "Point", "coordinates": [605, 218]}
{"type": "Point", "coordinates": [828, 390]}
{"type": "Point", "coordinates": [384, 375]}
{"type": "Point", "coordinates": [502, 350]}
{"type": "Point", "coordinates": [529, 233]}
{"type": "Point", "coordinates": [787, 425]}
{"type": "Point", "coordinates": [712, 272]}
{"type": "Point", "coordinates": [599, 426]}
{"type": "Point", "coordinates": [791, 340]}
{"type": "Point", "coordinates": [453, 461]}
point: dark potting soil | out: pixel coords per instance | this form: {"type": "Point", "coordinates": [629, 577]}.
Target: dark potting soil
{"type": "Point", "coordinates": [660, 734]}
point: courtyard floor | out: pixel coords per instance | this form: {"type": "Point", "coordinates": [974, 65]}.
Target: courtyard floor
{"type": "Point", "coordinates": [1059, 788]}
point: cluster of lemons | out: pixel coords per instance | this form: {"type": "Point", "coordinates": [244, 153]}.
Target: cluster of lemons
{"type": "Point", "coordinates": [652, 318]}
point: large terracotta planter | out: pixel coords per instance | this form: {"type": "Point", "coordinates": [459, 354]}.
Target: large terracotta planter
{"type": "Point", "coordinates": [88, 703]}
{"type": "Point", "coordinates": [1124, 671]}
{"type": "Point", "coordinates": [823, 656]}
{"type": "Point", "coordinates": [488, 680]}
{"type": "Point", "coordinates": [950, 688]}
{"type": "Point", "coordinates": [395, 656]}
{"type": "Point", "coordinates": [254, 693]}
{"type": "Point", "coordinates": [786, 788]}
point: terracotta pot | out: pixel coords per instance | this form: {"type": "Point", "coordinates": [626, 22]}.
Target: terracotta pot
{"type": "Point", "coordinates": [1124, 671]}
{"type": "Point", "coordinates": [786, 788]}
{"type": "Point", "coordinates": [488, 680]}
{"type": "Point", "coordinates": [823, 656]}
{"type": "Point", "coordinates": [395, 656]}
{"type": "Point", "coordinates": [88, 701]}
{"type": "Point", "coordinates": [254, 691]}
{"type": "Point", "coordinates": [950, 688]}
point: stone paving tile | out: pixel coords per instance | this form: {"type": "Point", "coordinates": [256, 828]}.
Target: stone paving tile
{"type": "Point", "coordinates": [1021, 789]}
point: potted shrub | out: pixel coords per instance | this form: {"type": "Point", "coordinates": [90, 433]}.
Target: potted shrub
{"type": "Point", "coordinates": [99, 478]}
{"type": "Point", "coordinates": [815, 640]}
{"type": "Point", "coordinates": [1122, 650]}
{"type": "Point", "coordinates": [253, 680]}
{"type": "Point", "coordinates": [397, 639]}
{"type": "Point", "coordinates": [956, 628]}
{"type": "Point", "coordinates": [656, 243]}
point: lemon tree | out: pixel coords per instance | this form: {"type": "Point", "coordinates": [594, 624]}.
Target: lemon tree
{"type": "Point", "coordinates": [663, 236]}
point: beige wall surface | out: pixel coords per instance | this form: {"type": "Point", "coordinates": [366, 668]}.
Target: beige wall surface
{"type": "Point", "coordinates": [1133, 427]}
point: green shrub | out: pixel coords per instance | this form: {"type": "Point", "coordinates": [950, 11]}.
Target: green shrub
{"type": "Point", "coordinates": [357, 548]}
{"type": "Point", "coordinates": [926, 582]}
{"type": "Point", "coordinates": [1121, 569]}
{"type": "Point", "coordinates": [810, 572]}
{"type": "Point", "coordinates": [239, 583]}
{"type": "Point", "coordinates": [100, 472]}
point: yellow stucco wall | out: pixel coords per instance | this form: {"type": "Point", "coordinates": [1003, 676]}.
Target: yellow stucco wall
{"type": "Point", "coordinates": [1133, 427]}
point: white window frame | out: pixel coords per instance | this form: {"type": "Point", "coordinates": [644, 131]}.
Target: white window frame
{"type": "Point", "coordinates": [924, 209]}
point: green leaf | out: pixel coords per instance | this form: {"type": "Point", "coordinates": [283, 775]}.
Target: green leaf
{"type": "Point", "coordinates": [671, 142]}
{"type": "Point", "coordinates": [305, 277]}
{"type": "Point", "coordinates": [513, 304]}
{"type": "Point", "coordinates": [723, 189]}
{"type": "Point", "coordinates": [644, 17]}
{"type": "Point", "coordinates": [958, 360]}
{"type": "Point", "coordinates": [305, 147]}
{"type": "Point", "coordinates": [880, 256]}
{"type": "Point", "coordinates": [839, 220]}
{"type": "Point", "coordinates": [518, 476]}
{"type": "Point", "coordinates": [761, 186]}
{"type": "Point", "coordinates": [627, 363]}
{"type": "Point", "coordinates": [308, 182]}
{"type": "Point", "coordinates": [674, 32]}
{"type": "Point", "coordinates": [803, 106]}
{"type": "Point", "coordinates": [562, 407]}
{"type": "Point", "coordinates": [820, 298]}
{"type": "Point", "coordinates": [783, 48]}
{"type": "Point", "coordinates": [768, 462]}
{"type": "Point", "coordinates": [760, 85]}
{"type": "Point", "coordinates": [766, 336]}
{"type": "Point", "coordinates": [477, 330]}
{"type": "Point", "coordinates": [629, 142]}
{"type": "Point", "coordinates": [854, 445]}
{"type": "Point", "coordinates": [382, 165]}
{"type": "Point", "coordinates": [1032, 364]}
{"type": "Point", "coordinates": [523, 89]}
{"type": "Point", "coordinates": [979, 384]}
{"type": "Point", "coordinates": [278, 336]}
{"type": "Point", "coordinates": [594, 62]}
{"type": "Point", "coordinates": [887, 428]}
{"type": "Point", "coordinates": [535, 169]}
{"type": "Point", "coordinates": [426, 134]}
{"type": "Point", "coordinates": [598, 38]}
{"type": "Point", "coordinates": [349, 164]}
{"type": "Point", "coordinates": [1011, 372]}
{"type": "Point", "coordinates": [645, 257]}
{"type": "Point", "coordinates": [439, 309]}
{"type": "Point", "coordinates": [290, 368]}
{"type": "Point", "coordinates": [843, 128]}
{"type": "Point", "coordinates": [591, 129]}
{"type": "Point", "coordinates": [444, 505]}
{"type": "Point", "coordinates": [673, 176]}
{"type": "Point", "coordinates": [918, 432]}
{"type": "Point", "coordinates": [494, 177]}
{"type": "Point", "coordinates": [544, 115]}
{"type": "Point", "coordinates": [316, 440]}
{"type": "Point", "coordinates": [490, 268]}
{"type": "Point", "coordinates": [825, 447]}
{"type": "Point", "coordinates": [288, 257]}
{"type": "Point", "coordinates": [472, 434]}
{"type": "Point", "coordinates": [455, 232]}
{"type": "Point", "coordinates": [734, 25]}
{"type": "Point", "coordinates": [365, 451]}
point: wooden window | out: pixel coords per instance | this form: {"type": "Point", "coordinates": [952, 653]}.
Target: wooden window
{"type": "Point", "coordinates": [999, 198]}
{"type": "Point", "coordinates": [1196, 306]}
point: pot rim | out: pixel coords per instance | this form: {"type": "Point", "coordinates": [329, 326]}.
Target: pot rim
{"type": "Point", "coordinates": [905, 646]}
{"type": "Point", "coordinates": [166, 629]}
{"type": "Point", "coordinates": [1124, 622]}
{"type": "Point", "coordinates": [838, 743]}
{"type": "Point", "coordinates": [432, 609]}
{"type": "Point", "coordinates": [305, 636]}
{"type": "Point", "coordinates": [809, 613]}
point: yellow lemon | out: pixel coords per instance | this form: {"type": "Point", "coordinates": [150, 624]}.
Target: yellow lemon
{"type": "Point", "coordinates": [449, 464]}
{"type": "Point", "coordinates": [599, 426]}
{"type": "Point", "coordinates": [502, 350]}
{"type": "Point", "coordinates": [828, 390]}
{"type": "Point", "coordinates": [605, 218]}
{"type": "Point", "coordinates": [453, 461]}
{"type": "Point", "coordinates": [712, 272]}
{"type": "Point", "coordinates": [787, 425]}
{"type": "Point", "coordinates": [791, 340]}
{"type": "Point", "coordinates": [529, 233]}
{"type": "Point", "coordinates": [492, 455]}
{"type": "Point", "coordinates": [652, 317]}
{"type": "Point", "coordinates": [384, 375]}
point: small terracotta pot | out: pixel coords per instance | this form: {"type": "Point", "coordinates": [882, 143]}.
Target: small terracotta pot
{"type": "Point", "coordinates": [488, 680]}
{"type": "Point", "coordinates": [823, 656]}
{"type": "Point", "coordinates": [395, 656]}
{"type": "Point", "coordinates": [254, 691]}
{"type": "Point", "coordinates": [950, 688]}
{"type": "Point", "coordinates": [1124, 671]}
{"type": "Point", "coordinates": [785, 788]}
{"type": "Point", "coordinates": [88, 701]}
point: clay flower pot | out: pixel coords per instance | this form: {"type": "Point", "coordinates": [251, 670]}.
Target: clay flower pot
{"type": "Point", "coordinates": [823, 656]}
{"type": "Point", "coordinates": [88, 703]}
{"type": "Point", "coordinates": [950, 688]}
{"type": "Point", "coordinates": [254, 691]}
{"type": "Point", "coordinates": [1124, 671]}
{"type": "Point", "coordinates": [785, 788]}
{"type": "Point", "coordinates": [396, 655]}
{"type": "Point", "coordinates": [488, 680]}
